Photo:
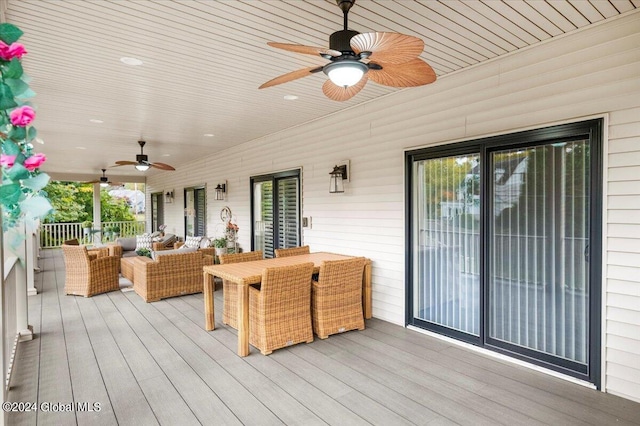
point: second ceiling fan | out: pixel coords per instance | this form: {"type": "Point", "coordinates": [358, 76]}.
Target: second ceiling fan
{"type": "Point", "coordinates": [390, 59]}
{"type": "Point", "coordinates": [104, 180]}
{"type": "Point", "coordinates": [142, 162]}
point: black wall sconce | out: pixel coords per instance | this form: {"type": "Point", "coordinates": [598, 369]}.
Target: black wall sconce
{"type": "Point", "coordinates": [338, 175]}
{"type": "Point", "coordinates": [221, 190]}
{"type": "Point", "coordinates": [168, 197]}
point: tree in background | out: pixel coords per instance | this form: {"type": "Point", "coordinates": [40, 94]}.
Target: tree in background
{"type": "Point", "coordinates": [73, 202]}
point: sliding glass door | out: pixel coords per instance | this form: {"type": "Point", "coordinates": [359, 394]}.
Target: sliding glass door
{"type": "Point", "coordinates": [195, 211]}
{"type": "Point", "coordinates": [504, 246]}
{"type": "Point", "coordinates": [276, 211]}
{"type": "Point", "coordinates": [157, 211]}
{"type": "Point", "coordinates": [446, 273]}
{"type": "Point", "coordinates": [538, 275]}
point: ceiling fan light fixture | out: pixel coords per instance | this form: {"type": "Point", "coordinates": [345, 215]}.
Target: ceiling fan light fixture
{"type": "Point", "coordinates": [104, 184]}
{"type": "Point", "coordinates": [345, 73]}
{"type": "Point", "coordinates": [142, 167]}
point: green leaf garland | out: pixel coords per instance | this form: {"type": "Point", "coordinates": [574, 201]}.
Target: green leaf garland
{"type": "Point", "coordinates": [21, 190]}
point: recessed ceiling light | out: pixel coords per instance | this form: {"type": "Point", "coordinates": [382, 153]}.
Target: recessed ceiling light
{"type": "Point", "coordinates": [95, 120]}
{"type": "Point", "coordinates": [290, 97]}
{"type": "Point", "coordinates": [131, 61]}
{"type": "Point", "coordinates": [208, 135]}
{"type": "Point", "coordinates": [166, 155]}
{"type": "Point", "coordinates": [80, 147]}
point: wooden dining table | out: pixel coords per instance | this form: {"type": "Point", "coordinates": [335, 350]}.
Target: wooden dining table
{"type": "Point", "coordinates": [248, 273]}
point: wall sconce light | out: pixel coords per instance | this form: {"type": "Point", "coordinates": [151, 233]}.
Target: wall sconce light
{"type": "Point", "coordinates": [168, 197]}
{"type": "Point", "coordinates": [338, 175]}
{"type": "Point", "coordinates": [221, 190]}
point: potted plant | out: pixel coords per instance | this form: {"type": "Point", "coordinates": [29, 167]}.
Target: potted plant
{"type": "Point", "coordinates": [144, 252]}
{"type": "Point", "coordinates": [116, 231]}
{"type": "Point", "coordinates": [107, 232]}
{"type": "Point", "coordinates": [86, 227]}
{"type": "Point", "coordinates": [221, 245]}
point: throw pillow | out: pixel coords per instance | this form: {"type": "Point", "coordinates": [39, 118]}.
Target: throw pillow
{"type": "Point", "coordinates": [143, 241]}
{"type": "Point", "coordinates": [193, 242]}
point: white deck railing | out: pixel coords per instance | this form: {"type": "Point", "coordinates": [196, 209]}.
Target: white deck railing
{"type": "Point", "coordinates": [52, 235]}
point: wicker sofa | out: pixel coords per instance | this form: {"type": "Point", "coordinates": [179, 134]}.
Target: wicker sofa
{"type": "Point", "coordinates": [169, 275]}
{"type": "Point", "coordinates": [126, 246]}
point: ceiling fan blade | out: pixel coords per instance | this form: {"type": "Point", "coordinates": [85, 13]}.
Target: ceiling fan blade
{"type": "Point", "coordinates": [341, 94]}
{"type": "Point", "coordinates": [307, 50]}
{"type": "Point", "coordinates": [161, 166]}
{"type": "Point", "coordinates": [392, 48]}
{"type": "Point", "coordinates": [294, 75]}
{"type": "Point", "coordinates": [93, 181]}
{"type": "Point", "coordinates": [125, 163]}
{"type": "Point", "coordinates": [410, 74]}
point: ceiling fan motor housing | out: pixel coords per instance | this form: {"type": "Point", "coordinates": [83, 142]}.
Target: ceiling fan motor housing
{"type": "Point", "coordinates": [141, 158]}
{"type": "Point", "coordinates": [340, 40]}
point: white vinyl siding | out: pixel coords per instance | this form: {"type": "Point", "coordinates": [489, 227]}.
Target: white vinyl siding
{"type": "Point", "coordinates": [589, 73]}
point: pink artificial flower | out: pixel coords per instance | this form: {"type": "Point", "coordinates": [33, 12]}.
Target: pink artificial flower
{"type": "Point", "coordinates": [7, 160]}
{"type": "Point", "coordinates": [15, 50]}
{"type": "Point", "coordinates": [22, 116]}
{"type": "Point", "coordinates": [34, 161]}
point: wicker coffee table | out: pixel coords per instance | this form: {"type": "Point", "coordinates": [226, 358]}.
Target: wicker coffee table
{"type": "Point", "coordinates": [126, 266]}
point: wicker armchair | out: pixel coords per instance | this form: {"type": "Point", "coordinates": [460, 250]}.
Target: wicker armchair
{"type": "Point", "coordinates": [86, 275]}
{"type": "Point", "coordinates": [230, 290]}
{"type": "Point", "coordinates": [169, 275]}
{"type": "Point", "coordinates": [336, 298]}
{"type": "Point", "coordinates": [94, 253]}
{"type": "Point", "coordinates": [292, 251]}
{"type": "Point", "coordinates": [280, 311]}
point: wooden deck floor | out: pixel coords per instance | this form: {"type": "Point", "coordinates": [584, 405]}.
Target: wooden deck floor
{"type": "Point", "coordinates": [155, 364]}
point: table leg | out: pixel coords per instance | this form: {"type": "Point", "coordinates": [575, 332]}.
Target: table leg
{"type": "Point", "coordinates": [209, 314]}
{"type": "Point", "coordinates": [367, 292]}
{"type": "Point", "coordinates": [243, 320]}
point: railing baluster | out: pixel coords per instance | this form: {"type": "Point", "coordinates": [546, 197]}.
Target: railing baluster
{"type": "Point", "coordinates": [52, 235]}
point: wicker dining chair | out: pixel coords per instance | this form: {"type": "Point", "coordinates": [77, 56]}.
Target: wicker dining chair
{"type": "Point", "coordinates": [292, 251]}
{"type": "Point", "coordinates": [336, 298]}
{"type": "Point", "coordinates": [230, 289]}
{"type": "Point", "coordinates": [87, 276]}
{"type": "Point", "coordinates": [280, 311]}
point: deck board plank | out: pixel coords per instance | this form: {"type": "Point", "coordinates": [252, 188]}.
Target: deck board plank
{"type": "Point", "coordinates": [54, 381]}
{"type": "Point", "coordinates": [264, 393]}
{"type": "Point", "coordinates": [153, 363]}
{"type": "Point", "coordinates": [127, 398]}
{"type": "Point", "coordinates": [196, 391]}
{"type": "Point", "coordinates": [165, 401]}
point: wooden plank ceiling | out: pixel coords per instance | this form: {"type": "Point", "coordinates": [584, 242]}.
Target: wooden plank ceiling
{"type": "Point", "coordinates": [204, 60]}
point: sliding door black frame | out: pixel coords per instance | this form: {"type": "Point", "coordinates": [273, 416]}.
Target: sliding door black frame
{"type": "Point", "coordinates": [591, 130]}
{"type": "Point", "coordinates": [157, 210]}
{"type": "Point", "coordinates": [200, 221]}
{"type": "Point", "coordinates": [274, 178]}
